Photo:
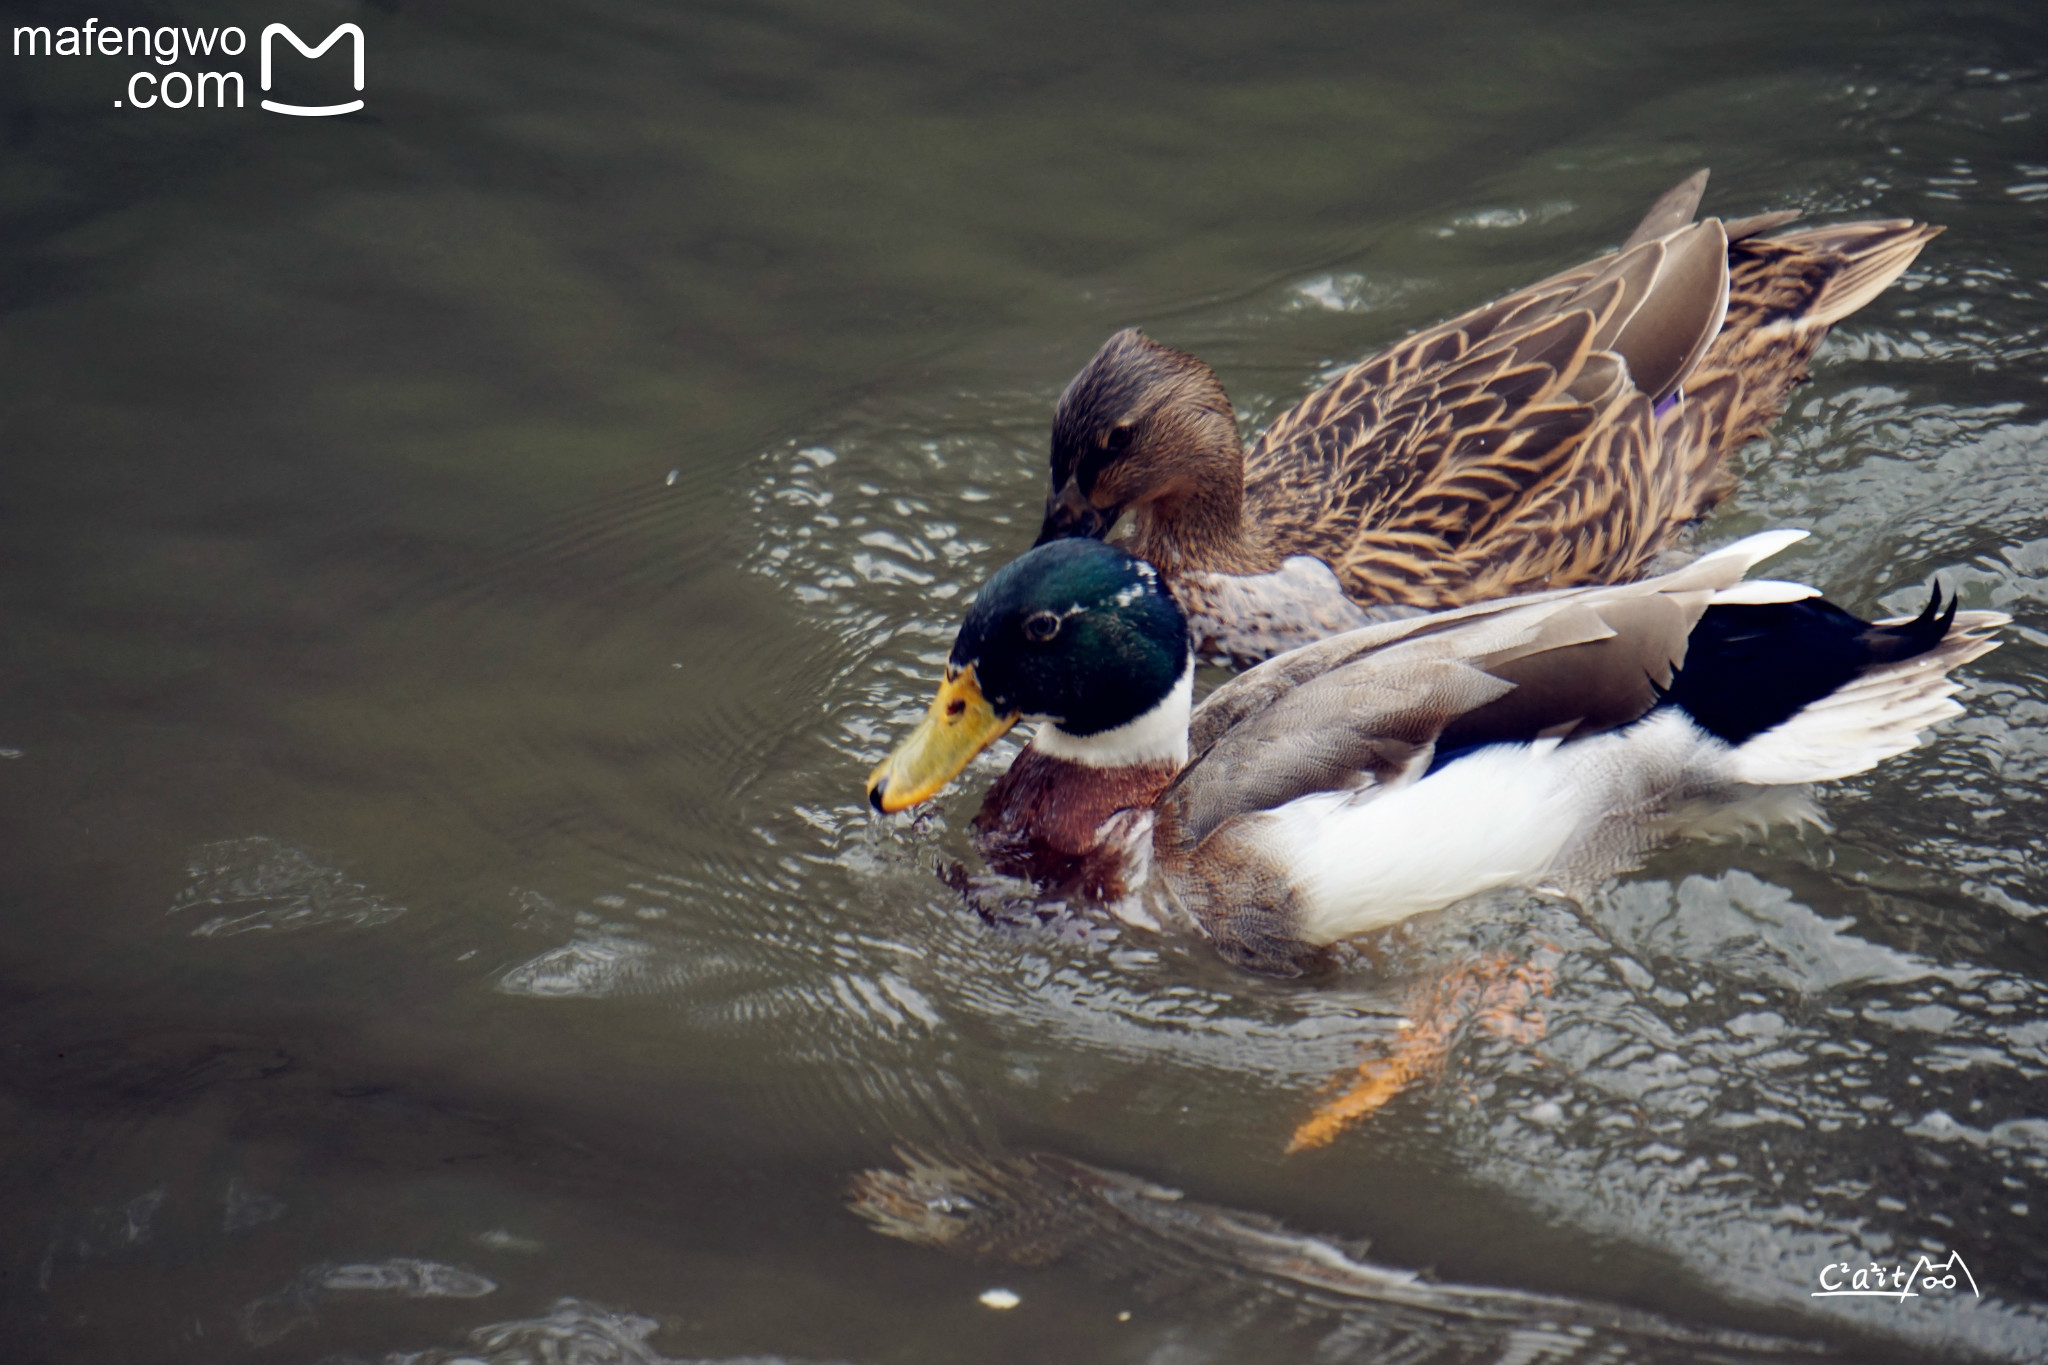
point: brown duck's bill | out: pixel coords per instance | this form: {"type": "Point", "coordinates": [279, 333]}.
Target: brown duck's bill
{"type": "Point", "coordinates": [959, 725]}
{"type": "Point", "coordinates": [1069, 515]}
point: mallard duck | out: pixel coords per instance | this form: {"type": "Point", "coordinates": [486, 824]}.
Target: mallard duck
{"type": "Point", "coordinates": [1544, 741]}
{"type": "Point", "coordinates": [1561, 435]}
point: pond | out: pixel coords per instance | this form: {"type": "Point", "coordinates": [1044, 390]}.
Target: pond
{"type": "Point", "coordinates": [460, 560]}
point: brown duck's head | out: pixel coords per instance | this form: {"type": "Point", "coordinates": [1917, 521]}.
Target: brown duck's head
{"type": "Point", "coordinates": [1140, 424]}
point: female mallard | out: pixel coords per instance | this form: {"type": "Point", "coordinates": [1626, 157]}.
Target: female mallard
{"type": "Point", "coordinates": [1559, 436]}
{"type": "Point", "coordinates": [1545, 741]}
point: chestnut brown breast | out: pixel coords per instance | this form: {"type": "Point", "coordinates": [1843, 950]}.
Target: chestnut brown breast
{"type": "Point", "coordinates": [1042, 821]}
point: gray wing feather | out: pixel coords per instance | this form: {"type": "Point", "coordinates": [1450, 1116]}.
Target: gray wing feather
{"type": "Point", "coordinates": [1368, 707]}
{"type": "Point", "coordinates": [1365, 724]}
{"type": "Point", "coordinates": [1671, 212]}
{"type": "Point", "coordinates": [1668, 335]}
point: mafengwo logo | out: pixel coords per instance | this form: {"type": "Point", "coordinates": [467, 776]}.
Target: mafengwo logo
{"type": "Point", "coordinates": [169, 47]}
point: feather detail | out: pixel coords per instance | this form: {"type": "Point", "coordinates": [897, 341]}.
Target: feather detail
{"type": "Point", "coordinates": [1047, 818]}
{"type": "Point", "coordinates": [1871, 718]}
{"type": "Point", "coordinates": [1761, 591]}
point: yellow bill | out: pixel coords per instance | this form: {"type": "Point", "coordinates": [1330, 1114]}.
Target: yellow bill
{"type": "Point", "coordinates": [959, 725]}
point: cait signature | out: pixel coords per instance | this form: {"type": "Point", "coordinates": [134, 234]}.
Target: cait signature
{"type": "Point", "coordinates": [1896, 1282]}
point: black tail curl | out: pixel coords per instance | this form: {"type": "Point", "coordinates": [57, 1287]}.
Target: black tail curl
{"type": "Point", "coordinates": [1909, 639]}
{"type": "Point", "coordinates": [1749, 668]}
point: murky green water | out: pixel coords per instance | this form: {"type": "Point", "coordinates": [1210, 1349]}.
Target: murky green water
{"type": "Point", "coordinates": [458, 562]}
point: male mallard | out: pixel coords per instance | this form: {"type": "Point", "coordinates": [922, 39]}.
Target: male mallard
{"type": "Point", "coordinates": [1547, 740]}
{"type": "Point", "coordinates": [1559, 436]}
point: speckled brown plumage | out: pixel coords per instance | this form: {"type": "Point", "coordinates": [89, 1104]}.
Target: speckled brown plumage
{"type": "Point", "coordinates": [1559, 436]}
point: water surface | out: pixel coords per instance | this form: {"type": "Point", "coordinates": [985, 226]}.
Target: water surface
{"type": "Point", "coordinates": [459, 561]}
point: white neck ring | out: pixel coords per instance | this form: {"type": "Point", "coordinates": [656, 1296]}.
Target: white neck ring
{"type": "Point", "coordinates": [1158, 736]}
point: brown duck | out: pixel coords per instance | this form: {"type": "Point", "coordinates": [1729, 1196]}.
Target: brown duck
{"type": "Point", "coordinates": [1559, 436]}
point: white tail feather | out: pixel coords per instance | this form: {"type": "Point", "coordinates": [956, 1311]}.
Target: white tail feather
{"type": "Point", "coordinates": [1754, 815]}
{"type": "Point", "coordinates": [1757, 592]}
{"type": "Point", "coordinates": [1754, 550]}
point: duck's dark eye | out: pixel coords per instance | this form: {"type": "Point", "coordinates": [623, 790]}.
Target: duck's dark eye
{"type": "Point", "coordinates": [1119, 437]}
{"type": "Point", "coordinates": [1041, 626]}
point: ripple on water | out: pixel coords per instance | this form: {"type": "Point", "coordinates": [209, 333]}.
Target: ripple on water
{"type": "Point", "coordinates": [1186, 1258]}
{"type": "Point", "coordinates": [277, 1315]}
{"type": "Point", "coordinates": [572, 1332]}
{"type": "Point", "coordinates": [858, 1023]}
{"type": "Point", "coordinates": [1350, 291]}
{"type": "Point", "coordinates": [259, 883]}
{"type": "Point", "coordinates": [1782, 1088]}
{"type": "Point", "coordinates": [98, 1232]}
{"type": "Point", "coordinates": [244, 1208]}
{"type": "Point", "coordinates": [881, 537]}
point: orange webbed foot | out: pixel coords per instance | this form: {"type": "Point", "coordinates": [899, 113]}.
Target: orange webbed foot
{"type": "Point", "coordinates": [1500, 994]}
